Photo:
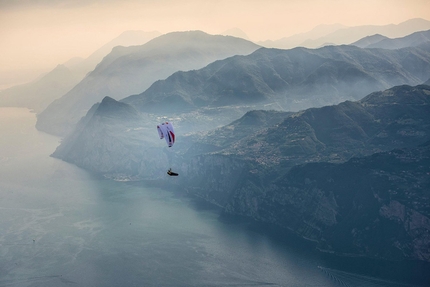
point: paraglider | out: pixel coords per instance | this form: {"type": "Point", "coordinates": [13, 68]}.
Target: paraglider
{"type": "Point", "coordinates": [165, 130]}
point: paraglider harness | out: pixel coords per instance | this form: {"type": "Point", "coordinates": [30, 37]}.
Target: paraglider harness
{"type": "Point", "coordinates": [171, 173]}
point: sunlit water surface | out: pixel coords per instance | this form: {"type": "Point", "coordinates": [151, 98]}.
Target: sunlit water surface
{"type": "Point", "coordinates": [62, 226]}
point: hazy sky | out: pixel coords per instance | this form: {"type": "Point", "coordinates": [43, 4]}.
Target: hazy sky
{"type": "Point", "coordinates": [39, 34]}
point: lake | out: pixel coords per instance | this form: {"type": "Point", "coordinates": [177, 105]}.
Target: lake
{"type": "Point", "coordinates": [63, 226]}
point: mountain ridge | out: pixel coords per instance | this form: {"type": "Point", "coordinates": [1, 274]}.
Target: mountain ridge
{"type": "Point", "coordinates": [339, 34]}
{"type": "Point", "coordinates": [381, 42]}
{"type": "Point", "coordinates": [288, 79]}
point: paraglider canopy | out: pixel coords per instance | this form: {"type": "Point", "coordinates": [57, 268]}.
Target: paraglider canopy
{"type": "Point", "coordinates": [165, 130]}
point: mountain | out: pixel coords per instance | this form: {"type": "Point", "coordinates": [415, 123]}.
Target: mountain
{"type": "Point", "coordinates": [130, 70]}
{"type": "Point", "coordinates": [100, 129]}
{"type": "Point", "coordinates": [338, 34]}
{"type": "Point", "coordinates": [287, 79]}
{"type": "Point", "coordinates": [369, 40]}
{"type": "Point", "coordinates": [412, 40]}
{"type": "Point", "coordinates": [39, 94]}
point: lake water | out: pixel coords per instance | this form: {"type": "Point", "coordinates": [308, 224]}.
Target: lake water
{"type": "Point", "coordinates": [62, 226]}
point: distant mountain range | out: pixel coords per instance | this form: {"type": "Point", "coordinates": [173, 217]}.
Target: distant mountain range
{"type": "Point", "coordinates": [130, 70]}
{"type": "Point", "coordinates": [297, 40]}
{"type": "Point", "coordinates": [339, 34]}
{"type": "Point", "coordinates": [37, 95]}
{"type": "Point", "coordinates": [381, 42]}
{"type": "Point", "coordinates": [287, 79]}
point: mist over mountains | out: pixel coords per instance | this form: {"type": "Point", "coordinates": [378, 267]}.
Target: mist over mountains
{"type": "Point", "coordinates": [287, 79]}
{"type": "Point", "coordinates": [131, 70]}
{"type": "Point", "coordinates": [40, 93]}
{"type": "Point", "coordinates": [20, 96]}
{"type": "Point", "coordinates": [125, 39]}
